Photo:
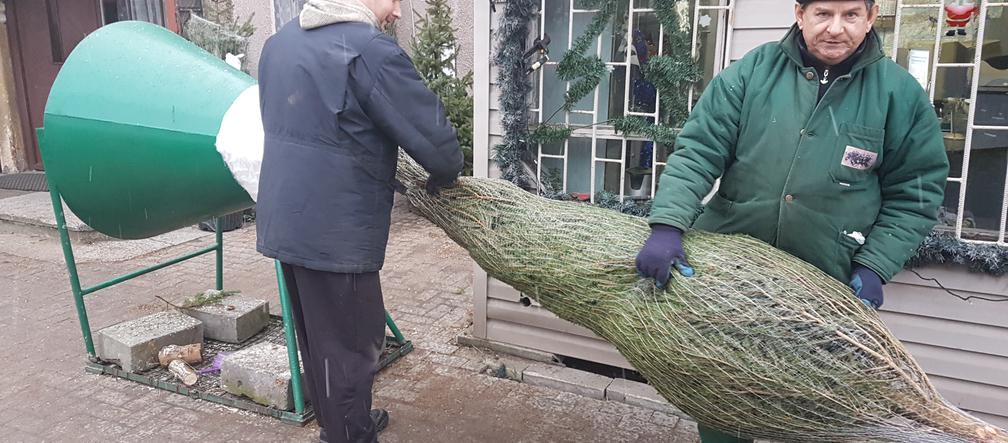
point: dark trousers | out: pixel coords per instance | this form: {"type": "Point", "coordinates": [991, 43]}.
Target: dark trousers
{"type": "Point", "coordinates": [340, 323]}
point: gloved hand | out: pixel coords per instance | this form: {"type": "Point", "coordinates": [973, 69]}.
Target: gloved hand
{"type": "Point", "coordinates": [434, 184]}
{"type": "Point", "coordinates": [867, 286]}
{"type": "Point", "coordinates": [662, 250]}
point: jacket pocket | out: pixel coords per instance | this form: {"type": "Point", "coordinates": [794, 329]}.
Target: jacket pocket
{"type": "Point", "coordinates": [857, 154]}
{"type": "Point", "coordinates": [849, 241]}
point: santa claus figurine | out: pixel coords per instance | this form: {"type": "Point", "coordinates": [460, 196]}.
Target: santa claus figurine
{"type": "Point", "coordinates": [958, 14]}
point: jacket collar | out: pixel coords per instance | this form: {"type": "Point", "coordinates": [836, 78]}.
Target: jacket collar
{"type": "Point", "coordinates": [871, 51]}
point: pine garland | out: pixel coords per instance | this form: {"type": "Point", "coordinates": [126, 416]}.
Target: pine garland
{"type": "Point", "coordinates": [942, 247]}
{"type": "Point", "coordinates": [673, 74]}
{"type": "Point", "coordinates": [545, 134]}
{"type": "Point", "coordinates": [586, 71]}
{"type": "Point", "coordinates": [514, 87]}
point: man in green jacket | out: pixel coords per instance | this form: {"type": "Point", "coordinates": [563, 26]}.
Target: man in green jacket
{"type": "Point", "coordinates": [825, 148]}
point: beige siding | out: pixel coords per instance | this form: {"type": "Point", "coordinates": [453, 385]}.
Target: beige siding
{"type": "Point", "coordinates": [962, 345]}
{"type": "Point", "coordinates": [758, 22]}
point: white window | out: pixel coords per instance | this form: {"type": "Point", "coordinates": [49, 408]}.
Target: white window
{"type": "Point", "coordinates": [958, 50]}
{"type": "Point", "coordinates": [595, 158]}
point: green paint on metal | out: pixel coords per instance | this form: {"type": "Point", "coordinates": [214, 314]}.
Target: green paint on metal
{"type": "Point", "coordinates": [395, 329]}
{"type": "Point", "coordinates": [71, 265]}
{"type": "Point", "coordinates": [288, 326]}
{"type": "Point", "coordinates": [149, 269]}
{"type": "Point", "coordinates": [220, 253]}
{"type": "Point", "coordinates": [131, 122]}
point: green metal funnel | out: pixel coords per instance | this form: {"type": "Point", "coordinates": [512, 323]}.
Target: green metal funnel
{"type": "Point", "coordinates": [130, 131]}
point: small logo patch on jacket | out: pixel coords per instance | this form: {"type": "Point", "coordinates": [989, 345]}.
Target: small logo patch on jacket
{"type": "Point", "coordinates": [858, 158]}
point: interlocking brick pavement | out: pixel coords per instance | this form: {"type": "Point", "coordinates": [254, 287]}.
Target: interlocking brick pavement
{"type": "Point", "coordinates": [435, 394]}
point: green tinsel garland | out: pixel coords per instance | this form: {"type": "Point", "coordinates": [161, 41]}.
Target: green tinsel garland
{"type": "Point", "coordinates": [546, 134]}
{"type": "Point", "coordinates": [512, 33]}
{"type": "Point", "coordinates": [585, 72]}
{"type": "Point", "coordinates": [942, 247]}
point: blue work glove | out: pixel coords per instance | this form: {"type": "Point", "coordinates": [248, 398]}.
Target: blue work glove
{"type": "Point", "coordinates": [867, 286]}
{"type": "Point", "coordinates": [434, 184]}
{"type": "Point", "coordinates": [661, 250]}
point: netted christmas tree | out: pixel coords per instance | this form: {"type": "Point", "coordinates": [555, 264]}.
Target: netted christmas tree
{"type": "Point", "coordinates": [229, 36]}
{"type": "Point", "coordinates": [434, 54]}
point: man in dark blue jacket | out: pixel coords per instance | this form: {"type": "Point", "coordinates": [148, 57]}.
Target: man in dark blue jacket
{"type": "Point", "coordinates": [338, 98]}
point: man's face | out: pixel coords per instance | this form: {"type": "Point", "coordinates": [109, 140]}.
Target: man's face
{"type": "Point", "coordinates": [833, 30]}
{"type": "Point", "coordinates": [387, 11]}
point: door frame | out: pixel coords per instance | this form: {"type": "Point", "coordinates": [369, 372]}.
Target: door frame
{"type": "Point", "coordinates": [29, 152]}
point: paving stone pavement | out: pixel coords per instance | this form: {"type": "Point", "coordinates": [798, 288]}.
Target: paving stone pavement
{"type": "Point", "coordinates": [435, 394]}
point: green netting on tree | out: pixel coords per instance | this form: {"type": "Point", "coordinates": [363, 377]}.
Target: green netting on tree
{"type": "Point", "coordinates": [758, 344]}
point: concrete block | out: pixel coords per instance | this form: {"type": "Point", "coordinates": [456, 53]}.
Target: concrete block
{"type": "Point", "coordinates": [504, 348]}
{"type": "Point", "coordinates": [515, 368]}
{"type": "Point", "coordinates": [134, 344]}
{"type": "Point", "coordinates": [260, 372]}
{"type": "Point", "coordinates": [234, 319]}
{"type": "Point", "coordinates": [640, 394]}
{"type": "Point", "coordinates": [567, 379]}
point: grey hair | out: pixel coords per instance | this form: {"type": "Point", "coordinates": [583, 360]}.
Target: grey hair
{"type": "Point", "coordinates": [868, 4]}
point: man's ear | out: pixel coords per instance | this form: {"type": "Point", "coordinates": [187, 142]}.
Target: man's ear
{"type": "Point", "coordinates": [799, 14]}
{"type": "Point", "coordinates": [872, 16]}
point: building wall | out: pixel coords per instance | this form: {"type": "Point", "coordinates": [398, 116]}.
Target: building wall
{"type": "Point", "coordinates": [263, 19]}
{"type": "Point", "coordinates": [12, 158]}
{"type": "Point", "coordinates": [963, 346]}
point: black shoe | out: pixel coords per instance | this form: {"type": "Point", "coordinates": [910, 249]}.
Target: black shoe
{"type": "Point", "coordinates": [950, 33]}
{"type": "Point", "coordinates": [962, 31]}
{"type": "Point", "coordinates": [380, 418]}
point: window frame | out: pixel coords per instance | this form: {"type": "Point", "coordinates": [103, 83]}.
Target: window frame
{"type": "Point", "coordinates": [596, 132]}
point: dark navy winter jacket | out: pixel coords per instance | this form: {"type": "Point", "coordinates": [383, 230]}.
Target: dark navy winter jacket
{"type": "Point", "coordinates": [337, 102]}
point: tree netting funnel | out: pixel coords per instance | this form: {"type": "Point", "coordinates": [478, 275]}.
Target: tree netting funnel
{"type": "Point", "coordinates": [131, 128]}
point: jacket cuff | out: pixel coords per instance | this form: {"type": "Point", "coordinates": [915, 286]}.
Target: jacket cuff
{"type": "Point", "coordinates": [674, 222]}
{"type": "Point", "coordinates": [880, 270]}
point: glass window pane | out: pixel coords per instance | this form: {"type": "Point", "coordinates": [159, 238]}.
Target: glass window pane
{"type": "Point", "coordinates": [947, 211]}
{"type": "Point", "coordinates": [710, 43]}
{"type": "Point", "coordinates": [579, 160]}
{"type": "Point", "coordinates": [958, 41]}
{"type": "Point", "coordinates": [644, 4]}
{"type": "Point", "coordinates": [608, 173]}
{"type": "Point", "coordinates": [553, 95]}
{"type": "Point", "coordinates": [557, 15]}
{"type": "Point", "coordinates": [555, 148]}
{"type": "Point", "coordinates": [639, 158]}
{"type": "Point", "coordinates": [609, 149]}
{"type": "Point", "coordinates": [885, 24]}
{"type": "Point", "coordinates": [951, 102]}
{"type": "Point", "coordinates": [663, 152]}
{"type": "Point", "coordinates": [614, 44]}
{"type": "Point", "coordinates": [608, 176]}
{"type": "Point", "coordinates": [985, 186]}
{"type": "Point", "coordinates": [612, 94]}
{"type": "Point", "coordinates": [551, 173]}
{"type": "Point", "coordinates": [916, 41]}
{"type": "Point", "coordinates": [581, 22]}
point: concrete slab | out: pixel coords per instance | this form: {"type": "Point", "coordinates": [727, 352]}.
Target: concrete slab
{"type": "Point", "coordinates": [134, 344]}
{"type": "Point", "coordinates": [35, 210]}
{"type": "Point", "coordinates": [518, 351]}
{"type": "Point", "coordinates": [567, 379]}
{"type": "Point", "coordinates": [8, 193]}
{"type": "Point", "coordinates": [234, 319]}
{"type": "Point", "coordinates": [260, 372]}
{"type": "Point", "coordinates": [640, 394]}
